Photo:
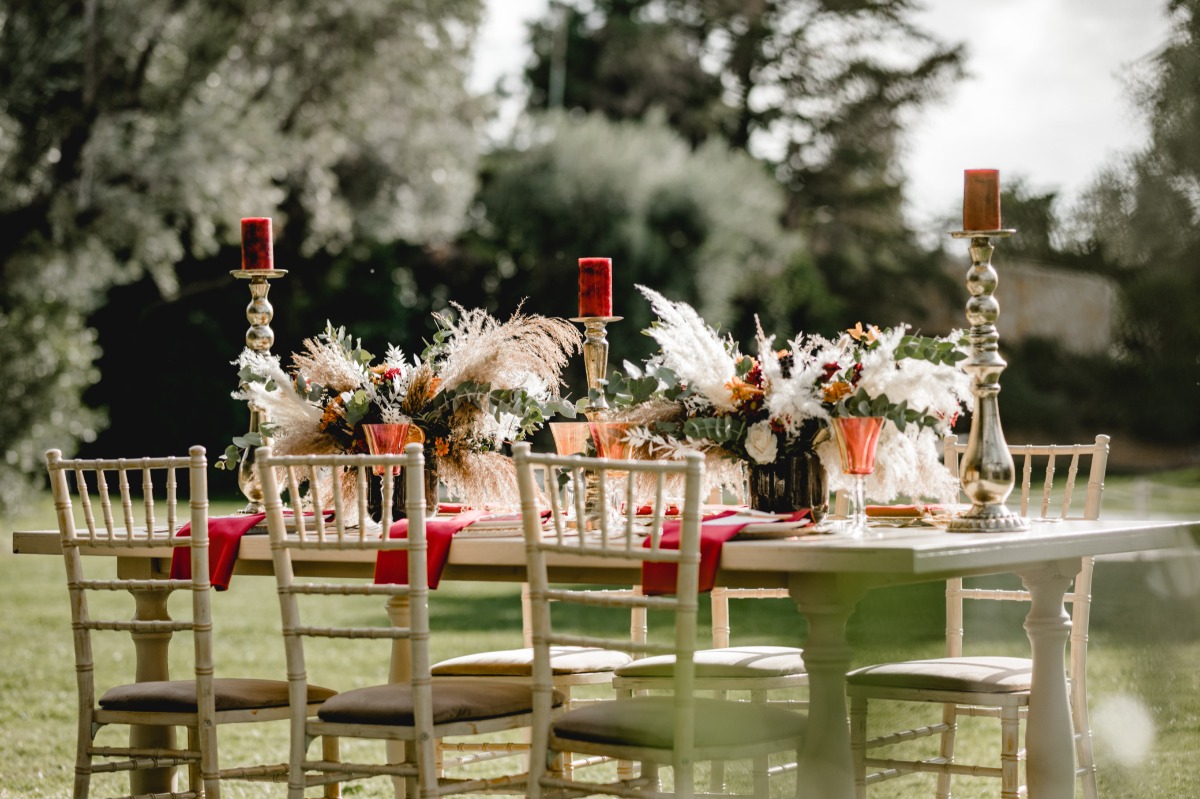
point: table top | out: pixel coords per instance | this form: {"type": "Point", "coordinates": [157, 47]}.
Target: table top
{"type": "Point", "coordinates": [921, 553]}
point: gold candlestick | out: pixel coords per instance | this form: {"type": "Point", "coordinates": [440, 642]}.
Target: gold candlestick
{"type": "Point", "coordinates": [595, 361]}
{"type": "Point", "coordinates": [987, 470]}
{"type": "Point", "coordinates": [259, 337]}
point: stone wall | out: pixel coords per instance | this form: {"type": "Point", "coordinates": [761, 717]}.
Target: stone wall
{"type": "Point", "coordinates": [1076, 309]}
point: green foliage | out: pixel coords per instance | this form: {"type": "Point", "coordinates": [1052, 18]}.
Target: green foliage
{"type": "Point", "coordinates": [805, 84]}
{"type": "Point", "coordinates": [702, 225]}
{"type": "Point", "coordinates": [1142, 212]}
{"type": "Point", "coordinates": [133, 136]}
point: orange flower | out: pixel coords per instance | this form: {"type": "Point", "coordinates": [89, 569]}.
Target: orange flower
{"type": "Point", "coordinates": [433, 386]}
{"type": "Point", "coordinates": [836, 391]}
{"type": "Point", "coordinates": [441, 447]}
{"type": "Point", "coordinates": [858, 334]}
{"type": "Point", "coordinates": [743, 391]}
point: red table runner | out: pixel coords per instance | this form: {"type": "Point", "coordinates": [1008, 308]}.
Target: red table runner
{"type": "Point", "coordinates": [660, 578]}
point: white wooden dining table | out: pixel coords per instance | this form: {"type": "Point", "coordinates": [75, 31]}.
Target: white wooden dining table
{"type": "Point", "coordinates": [826, 575]}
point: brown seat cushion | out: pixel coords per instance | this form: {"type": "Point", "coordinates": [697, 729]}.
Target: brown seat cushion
{"type": "Point", "coordinates": [179, 696]}
{"type": "Point", "coordinates": [519, 662]}
{"type": "Point", "coordinates": [649, 721]}
{"type": "Point", "coordinates": [453, 700]}
{"type": "Point", "coordinates": [976, 674]}
{"type": "Point", "coordinates": [734, 661]}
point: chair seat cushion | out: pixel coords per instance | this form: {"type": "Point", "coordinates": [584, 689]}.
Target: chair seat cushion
{"type": "Point", "coordinates": [734, 661]}
{"type": "Point", "coordinates": [974, 674]}
{"type": "Point", "coordinates": [519, 662]}
{"type": "Point", "coordinates": [179, 696]}
{"type": "Point", "coordinates": [453, 700]}
{"type": "Point", "coordinates": [648, 721]}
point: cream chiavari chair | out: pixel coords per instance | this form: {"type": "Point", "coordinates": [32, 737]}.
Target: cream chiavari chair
{"type": "Point", "coordinates": [996, 687]}
{"type": "Point", "coordinates": [142, 517]}
{"type": "Point", "coordinates": [414, 714]}
{"type": "Point", "coordinates": [676, 730]}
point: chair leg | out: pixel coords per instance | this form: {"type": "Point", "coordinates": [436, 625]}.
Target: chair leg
{"type": "Point", "coordinates": [83, 760]}
{"type": "Point", "coordinates": [331, 751]}
{"type": "Point", "coordinates": [946, 749]}
{"type": "Point", "coordinates": [1086, 758]}
{"type": "Point", "coordinates": [1010, 747]}
{"type": "Point", "coordinates": [716, 776]}
{"type": "Point", "coordinates": [759, 765]}
{"type": "Point", "coordinates": [858, 744]}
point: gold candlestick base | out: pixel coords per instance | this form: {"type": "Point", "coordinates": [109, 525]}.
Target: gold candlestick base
{"type": "Point", "coordinates": [988, 473]}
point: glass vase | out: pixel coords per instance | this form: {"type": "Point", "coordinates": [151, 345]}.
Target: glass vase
{"type": "Point", "coordinates": [857, 440]}
{"type": "Point", "coordinates": [788, 484]}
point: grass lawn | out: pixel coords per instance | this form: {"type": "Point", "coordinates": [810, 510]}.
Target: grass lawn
{"type": "Point", "coordinates": [1143, 665]}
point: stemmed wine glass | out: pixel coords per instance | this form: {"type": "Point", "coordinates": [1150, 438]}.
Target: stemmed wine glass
{"type": "Point", "coordinates": [857, 439]}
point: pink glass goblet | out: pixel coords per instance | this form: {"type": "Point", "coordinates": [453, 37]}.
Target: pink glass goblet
{"type": "Point", "coordinates": [609, 438]}
{"type": "Point", "coordinates": [386, 439]}
{"type": "Point", "coordinates": [857, 439]}
{"type": "Point", "coordinates": [570, 438]}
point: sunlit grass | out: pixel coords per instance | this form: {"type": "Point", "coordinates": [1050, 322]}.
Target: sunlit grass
{"type": "Point", "coordinates": [1144, 685]}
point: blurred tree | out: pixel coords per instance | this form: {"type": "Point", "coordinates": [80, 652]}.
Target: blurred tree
{"type": "Point", "coordinates": [701, 225]}
{"type": "Point", "coordinates": [819, 89]}
{"type": "Point", "coordinates": [1144, 212]}
{"type": "Point", "coordinates": [133, 136]}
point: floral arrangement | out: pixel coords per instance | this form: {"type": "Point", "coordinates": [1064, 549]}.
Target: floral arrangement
{"type": "Point", "coordinates": [914, 382]}
{"type": "Point", "coordinates": [700, 392]}
{"type": "Point", "coordinates": [479, 384]}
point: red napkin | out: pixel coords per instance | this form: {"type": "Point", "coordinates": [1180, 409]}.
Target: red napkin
{"type": "Point", "coordinates": [392, 566]}
{"type": "Point", "coordinates": [224, 535]}
{"type": "Point", "coordinates": [646, 510]}
{"type": "Point", "coordinates": [660, 578]}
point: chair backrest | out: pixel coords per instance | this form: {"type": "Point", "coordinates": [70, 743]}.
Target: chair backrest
{"type": "Point", "coordinates": [621, 538]}
{"type": "Point", "coordinates": [1081, 594]}
{"type": "Point", "coordinates": [1025, 455]}
{"type": "Point", "coordinates": [720, 596]}
{"type": "Point", "coordinates": [131, 505]}
{"type": "Point", "coordinates": [310, 531]}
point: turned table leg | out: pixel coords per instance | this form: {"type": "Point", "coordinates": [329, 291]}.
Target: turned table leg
{"type": "Point", "coordinates": [1049, 735]}
{"type": "Point", "coordinates": [825, 769]}
{"type": "Point", "coordinates": [150, 656]}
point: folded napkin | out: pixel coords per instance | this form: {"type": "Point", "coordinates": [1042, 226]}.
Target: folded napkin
{"type": "Point", "coordinates": [715, 530]}
{"type": "Point", "coordinates": [915, 511]}
{"type": "Point", "coordinates": [392, 566]}
{"type": "Point", "coordinates": [647, 510]}
{"type": "Point", "coordinates": [224, 535]}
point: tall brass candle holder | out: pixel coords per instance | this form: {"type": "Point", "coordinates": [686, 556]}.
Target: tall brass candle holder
{"type": "Point", "coordinates": [595, 362]}
{"type": "Point", "coordinates": [988, 473]}
{"type": "Point", "coordinates": [259, 337]}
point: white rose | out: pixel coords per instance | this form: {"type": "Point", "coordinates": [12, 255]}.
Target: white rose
{"type": "Point", "coordinates": [761, 442]}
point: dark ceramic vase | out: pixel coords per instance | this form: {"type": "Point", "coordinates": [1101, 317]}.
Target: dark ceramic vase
{"type": "Point", "coordinates": [400, 493]}
{"type": "Point", "coordinates": [790, 483]}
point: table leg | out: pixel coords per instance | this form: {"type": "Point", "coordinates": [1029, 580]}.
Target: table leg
{"type": "Point", "coordinates": [1049, 735]}
{"type": "Point", "coordinates": [399, 671]}
{"type": "Point", "coordinates": [825, 769]}
{"type": "Point", "coordinates": [150, 663]}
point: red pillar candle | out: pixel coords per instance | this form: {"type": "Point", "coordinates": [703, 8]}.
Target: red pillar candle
{"type": "Point", "coordinates": [257, 252]}
{"type": "Point", "coordinates": [981, 199]}
{"type": "Point", "coordinates": [595, 287]}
